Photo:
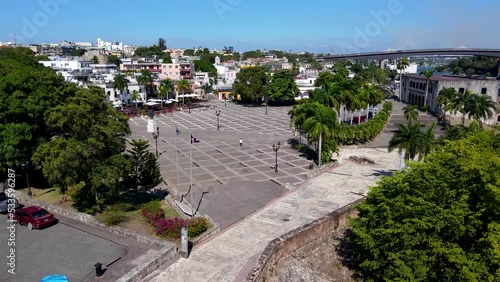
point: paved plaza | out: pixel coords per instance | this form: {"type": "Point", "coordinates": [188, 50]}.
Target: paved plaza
{"type": "Point", "coordinates": [232, 254]}
{"type": "Point", "coordinates": [229, 181]}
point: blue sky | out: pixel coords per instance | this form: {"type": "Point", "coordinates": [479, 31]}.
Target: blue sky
{"type": "Point", "coordinates": [329, 26]}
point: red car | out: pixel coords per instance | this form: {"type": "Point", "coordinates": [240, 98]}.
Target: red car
{"type": "Point", "coordinates": [34, 217]}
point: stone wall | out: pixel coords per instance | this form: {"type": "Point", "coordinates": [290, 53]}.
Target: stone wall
{"type": "Point", "coordinates": [305, 237]}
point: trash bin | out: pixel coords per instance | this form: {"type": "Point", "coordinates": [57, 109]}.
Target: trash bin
{"type": "Point", "coordinates": [98, 269]}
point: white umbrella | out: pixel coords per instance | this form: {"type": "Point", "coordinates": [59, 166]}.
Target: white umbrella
{"type": "Point", "coordinates": [152, 103]}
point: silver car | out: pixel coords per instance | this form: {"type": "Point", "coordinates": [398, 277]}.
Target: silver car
{"type": "Point", "coordinates": [4, 202]}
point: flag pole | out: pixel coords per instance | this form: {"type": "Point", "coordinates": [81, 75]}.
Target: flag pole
{"type": "Point", "coordinates": [176, 158]}
{"type": "Point", "coordinates": [191, 174]}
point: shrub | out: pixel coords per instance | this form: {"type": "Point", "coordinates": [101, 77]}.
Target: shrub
{"type": "Point", "coordinates": [152, 212]}
{"type": "Point", "coordinates": [170, 228]}
{"type": "Point", "coordinates": [425, 108]}
{"type": "Point", "coordinates": [112, 216]}
{"type": "Point", "coordinates": [197, 226]}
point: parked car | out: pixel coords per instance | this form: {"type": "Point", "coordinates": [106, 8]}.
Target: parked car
{"type": "Point", "coordinates": [34, 217]}
{"type": "Point", "coordinates": [4, 202]}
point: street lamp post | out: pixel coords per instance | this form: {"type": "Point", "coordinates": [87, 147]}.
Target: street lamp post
{"type": "Point", "coordinates": [217, 113]}
{"type": "Point", "coordinates": [26, 167]}
{"type": "Point", "coordinates": [266, 104]}
{"type": "Point", "coordinates": [155, 136]}
{"type": "Point", "coordinates": [276, 149]}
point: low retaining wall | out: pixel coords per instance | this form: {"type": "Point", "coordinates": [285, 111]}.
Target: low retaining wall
{"type": "Point", "coordinates": [305, 236]}
{"type": "Point", "coordinates": [168, 250]}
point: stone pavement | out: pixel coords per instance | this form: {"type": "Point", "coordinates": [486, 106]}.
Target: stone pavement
{"type": "Point", "coordinates": [232, 254]}
{"type": "Point", "coordinates": [229, 181]}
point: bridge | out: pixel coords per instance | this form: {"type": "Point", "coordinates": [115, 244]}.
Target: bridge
{"type": "Point", "coordinates": [393, 54]}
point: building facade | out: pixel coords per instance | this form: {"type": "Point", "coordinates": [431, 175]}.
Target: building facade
{"type": "Point", "coordinates": [177, 71]}
{"type": "Point", "coordinates": [414, 89]}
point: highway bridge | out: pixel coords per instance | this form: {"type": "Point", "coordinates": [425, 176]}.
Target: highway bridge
{"type": "Point", "coordinates": [393, 54]}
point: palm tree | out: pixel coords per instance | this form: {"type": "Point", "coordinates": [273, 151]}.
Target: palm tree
{"type": "Point", "coordinates": [402, 65]}
{"type": "Point", "coordinates": [183, 85]}
{"type": "Point", "coordinates": [445, 99]}
{"type": "Point", "coordinates": [166, 86]}
{"type": "Point", "coordinates": [429, 141]}
{"type": "Point", "coordinates": [373, 96]}
{"type": "Point", "coordinates": [410, 138]}
{"type": "Point", "coordinates": [427, 74]}
{"type": "Point", "coordinates": [480, 107]}
{"type": "Point", "coordinates": [120, 83]}
{"type": "Point", "coordinates": [206, 88]}
{"type": "Point", "coordinates": [146, 80]}
{"type": "Point", "coordinates": [410, 113]}
{"type": "Point", "coordinates": [320, 125]}
{"type": "Point", "coordinates": [134, 96]}
{"type": "Point", "coordinates": [461, 103]}
{"type": "Point", "coordinates": [352, 102]}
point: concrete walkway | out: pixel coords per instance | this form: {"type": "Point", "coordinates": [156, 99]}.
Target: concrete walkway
{"type": "Point", "coordinates": [233, 253]}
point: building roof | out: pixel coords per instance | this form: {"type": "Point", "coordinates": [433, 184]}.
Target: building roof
{"type": "Point", "coordinates": [447, 77]}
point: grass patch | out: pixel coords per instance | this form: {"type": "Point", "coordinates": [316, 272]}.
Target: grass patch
{"type": "Point", "coordinates": [114, 215]}
{"type": "Point", "coordinates": [49, 196]}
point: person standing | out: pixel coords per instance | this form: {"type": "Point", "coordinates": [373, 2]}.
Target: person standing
{"type": "Point", "coordinates": [241, 142]}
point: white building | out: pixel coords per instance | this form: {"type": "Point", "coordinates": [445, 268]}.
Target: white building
{"type": "Point", "coordinates": [411, 69]}
{"type": "Point", "coordinates": [69, 65]}
{"type": "Point", "coordinates": [110, 46]}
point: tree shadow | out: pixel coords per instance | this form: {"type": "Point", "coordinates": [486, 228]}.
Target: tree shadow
{"type": "Point", "coordinates": [346, 253]}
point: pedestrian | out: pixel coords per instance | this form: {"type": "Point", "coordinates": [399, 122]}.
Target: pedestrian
{"type": "Point", "coordinates": [241, 142]}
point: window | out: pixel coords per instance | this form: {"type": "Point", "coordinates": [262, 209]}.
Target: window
{"type": "Point", "coordinates": [461, 90]}
{"type": "Point", "coordinates": [109, 92]}
{"type": "Point", "coordinates": [169, 66]}
{"type": "Point", "coordinates": [484, 90]}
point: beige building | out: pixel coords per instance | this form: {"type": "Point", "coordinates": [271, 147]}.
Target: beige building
{"type": "Point", "coordinates": [414, 87]}
{"type": "Point", "coordinates": [177, 71]}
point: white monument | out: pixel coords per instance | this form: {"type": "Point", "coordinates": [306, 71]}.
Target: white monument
{"type": "Point", "coordinates": [151, 121]}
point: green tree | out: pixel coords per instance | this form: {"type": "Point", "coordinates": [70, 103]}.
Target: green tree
{"type": "Point", "coordinates": [120, 83]}
{"type": "Point", "coordinates": [372, 95]}
{"type": "Point", "coordinates": [428, 74]}
{"type": "Point", "coordinates": [188, 52]}
{"type": "Point", "coordinates": [148, 52]}
{"type": "Point", "coordinates": [251, 84]}
{"type": "Point", "coordinates": [410, 113]}
{"type": "Point", "coordinates": [166, 87]}
{"type": "Point", "coordinates": [436, 221]}
{"type": "Point", "coordinates": [95, 60]}
{"type": "Point", "coordinates": [445, 99]}
{"type": "Point", "coordinates": [319, 126]}
{"type": "Point", "coordinates": [112, 59]}
{"type": "Point", "coordinates": [282, 88]}
{"type": "Point", "coordinates": [183, 86]}
{"type": "Point", "coordinates": [206, 66]}
{"type": "Point", "coordinates": [146, 79]}
{"type": "Point", "coordinates": [481, 108]}
{"type": "Point", "coordinates": [412, 139]}
{"type": "Point", "coordinates": [78, 52]}
{"type": "Point", "coordinates": [162, 44]}
{"type": "Point", "coordinates": [166, 59]}
{"type": "Point", "coordinates": [85, 155]}
{"type": "Point", "coordinates": [134, 96]}
{"type": "Point", "coordinates": [28, 90]}
{"type": "Point", "coordinates": [324, 79]}
{"type": "Point", "coordinates": [402, 64]}
{"type": "Point", "coordinates": [145, 170]}
{"type": "Point", "coordinates": [461, 103]}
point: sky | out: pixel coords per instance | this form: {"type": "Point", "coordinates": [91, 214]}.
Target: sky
{"type": "Point", "coordinates": [319, 26]}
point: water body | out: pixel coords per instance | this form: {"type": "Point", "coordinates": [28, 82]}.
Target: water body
{"type": "Point", "coordinates": [422, 68]}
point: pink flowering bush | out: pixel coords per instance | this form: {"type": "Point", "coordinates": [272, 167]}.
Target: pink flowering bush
{"type": "Point", "coordinates": [171, 227]}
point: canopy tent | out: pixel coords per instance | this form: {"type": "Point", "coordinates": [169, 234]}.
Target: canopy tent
{"type": "Point", "coordinates": [152, 104]}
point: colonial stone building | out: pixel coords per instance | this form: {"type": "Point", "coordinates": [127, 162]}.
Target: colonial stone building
{"type": "Point", "coordinates": [414, 87]}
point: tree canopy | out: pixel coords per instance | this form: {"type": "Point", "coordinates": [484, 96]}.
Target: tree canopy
{"type": "Point", "coordinates": [282, 88]}
{"type": "Point", "coordinates": [251, 84]}
{"type": "Point", "coordinates": [437, 221]}
{"type": "Point", "coordinates": [206, 66]}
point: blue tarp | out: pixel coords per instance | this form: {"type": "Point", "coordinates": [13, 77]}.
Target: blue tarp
{"type": "Point", "coordinates": [55, 278]}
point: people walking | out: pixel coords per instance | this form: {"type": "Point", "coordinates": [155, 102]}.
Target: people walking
{"type": "Point", "coordinates": [241, 142]}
